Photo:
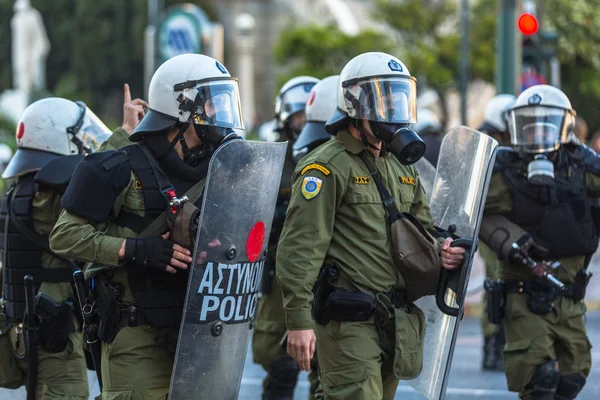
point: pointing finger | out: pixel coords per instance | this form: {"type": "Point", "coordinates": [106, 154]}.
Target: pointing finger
{"type": "Point", "coordinates": [127, 94]}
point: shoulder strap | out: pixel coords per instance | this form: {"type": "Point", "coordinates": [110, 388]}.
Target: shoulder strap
{"type": "Point", "coordinates": [164, 184]}
{"type": "Point", "coordinates": [159, 225]}
{"type": "Point", "coordinates": [30, 234]}
{"type": "Point", "coordinates": [388, 200]}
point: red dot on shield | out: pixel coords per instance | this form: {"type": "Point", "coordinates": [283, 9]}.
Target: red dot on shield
{"type": "Point", "coordinates": [20, 130]}
{"type": "Point", "coordinates": [256, 239]}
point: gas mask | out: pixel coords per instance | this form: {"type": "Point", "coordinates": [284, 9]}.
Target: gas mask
{"type": "Point", "coordinates": [400, 140]}
{"type": "Point", "coordinates": [540, 171]}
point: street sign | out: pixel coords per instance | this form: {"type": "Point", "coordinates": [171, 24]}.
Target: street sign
{"type": "Point", "coordinates": [181, 31]}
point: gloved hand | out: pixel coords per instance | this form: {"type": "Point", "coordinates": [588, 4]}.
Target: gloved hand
{"type": "Point", "coordinates": [156, 252]}
{"type": "Point", "coordinates": [530, 248]}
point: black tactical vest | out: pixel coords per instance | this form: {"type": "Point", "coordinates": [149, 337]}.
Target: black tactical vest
{"type": "Point", "coordinates": [22, 249]}
{"type": "Point", "coordinates": [558, 217]}
{"type": "Point", "coordinates": [158, 294]}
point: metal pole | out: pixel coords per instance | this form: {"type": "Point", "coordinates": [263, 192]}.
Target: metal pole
{"type": "Point", "coordinates": [464, 60]}
{"type": "Point", "coordinates": [508, 47]}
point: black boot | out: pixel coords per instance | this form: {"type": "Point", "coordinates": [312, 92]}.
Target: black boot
{"type": "Point", "coordinates": [489, 355]}
{"type": "Point", "coordinates": [498, 348]}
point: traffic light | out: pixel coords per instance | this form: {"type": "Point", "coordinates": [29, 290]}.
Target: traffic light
{"type": "Point", "coordinates": [528, 24]}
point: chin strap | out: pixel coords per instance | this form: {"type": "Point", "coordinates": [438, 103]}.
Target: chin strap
{"type": "Point", "coordinates": [363, 137]}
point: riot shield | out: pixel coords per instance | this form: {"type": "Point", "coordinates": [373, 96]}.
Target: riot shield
{"type": "Point", "coordinates": [426, 172]}
{"type": "Point", "coordinates": [235, 222]}
{"type": "Point", "coordinates": [458, 198]}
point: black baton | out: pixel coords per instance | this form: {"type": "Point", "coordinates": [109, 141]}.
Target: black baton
{"type": "Point", "coordinates": [31, 328]}
{"type": "Point", "coordinates": [89, 328]}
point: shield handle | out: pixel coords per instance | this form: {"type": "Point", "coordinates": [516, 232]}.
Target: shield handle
{"type": "Point", "coordinates": [452, 279]}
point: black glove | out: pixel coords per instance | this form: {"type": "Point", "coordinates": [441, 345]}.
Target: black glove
{"type": "Point", "coordinates": [530, 248]}
{"type": "Point", "coordinates": [154, 252]}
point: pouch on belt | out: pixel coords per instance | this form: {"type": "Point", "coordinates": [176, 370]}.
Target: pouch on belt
{"type": "Point", "coordinates": [401, 332]}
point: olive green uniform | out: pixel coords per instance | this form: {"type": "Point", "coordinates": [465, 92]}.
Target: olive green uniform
{"type": "Point", "coordinates": [534, 339]}
{"type": "Point", "coordinates": [134, 365]}
{"type": "Point", "coordinates": [345, 224]}
{"type": "Point", "coordinates": [61, 375]}
{"type": "Point", "coordinates": [269, 327]}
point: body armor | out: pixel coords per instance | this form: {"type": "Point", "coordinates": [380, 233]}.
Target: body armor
{"type": "Point", "coordinates": [559, 216]}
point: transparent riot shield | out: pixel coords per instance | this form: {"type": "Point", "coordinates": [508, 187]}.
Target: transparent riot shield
{"type": "Point", "coordinates": [426, 172]}
{"type": "Point", "coordinates": [458, 198]}
{"type": "Point", "coordinates": [235, 222]}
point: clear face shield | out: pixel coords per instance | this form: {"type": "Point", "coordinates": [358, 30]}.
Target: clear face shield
{"type": "Point", "coordinates": [293, 101]}
{"type": "Point", "coordinates": [213, 103]}
{"type": "Point", "coordinates": [93, 131]}
{"type": "Point", "coordinates": [390, 105]}
{"type": "Point", "coordinates": [538, 130]}
{"type": "Point", "coordinates": [89, 132]}
{"type": "Point", "coordinates": [391, 100]}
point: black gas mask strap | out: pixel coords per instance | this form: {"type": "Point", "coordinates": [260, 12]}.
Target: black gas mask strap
{"type": "Point", "coordinates": [363, 135]}
{"type": "Point", "coordinates": [166, 187]}
{"type": "Point", "coordinates": [74, 130]}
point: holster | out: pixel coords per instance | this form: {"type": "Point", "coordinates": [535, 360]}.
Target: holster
{"type": "Point", "coordinates": [323, 287]}
{"type": "Point", "coordinates": [582, 278]}
{"type": "Point", "coordinates": [331, 303]}
{"type": "Point", "coordinates": [540, 294]}
{"type": "Point", "coordinates": [183, 224]}
{"type": "Point", "coordinates": [57, 323]}
{"type": "Point", "coordinates": [496, 300]}
{"type": "Point", "coordinates": [109, 296]}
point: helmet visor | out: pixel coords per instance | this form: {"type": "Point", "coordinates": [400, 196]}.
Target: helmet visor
{"type": "Point", "coordinates": [293, 100]}
{"type": "Point", "coordinates": [93, 131]}
{"type": "Point", "coordinates": [217, 103]}
{"type": "Point", "coordinates": [539, 129]}
{"type": "Point", "coordinates": [382, 99]}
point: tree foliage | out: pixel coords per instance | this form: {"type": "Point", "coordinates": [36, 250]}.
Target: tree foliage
{"type": "Point", "coordinates": [322, 51]}
{"type": "Point", "coordinates": [96, 46]}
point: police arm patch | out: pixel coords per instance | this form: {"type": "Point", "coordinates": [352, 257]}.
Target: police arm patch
{"type": "Point", "coordinates": [311, 187]}
{"type": "Point", "coordinates": [318, 167]}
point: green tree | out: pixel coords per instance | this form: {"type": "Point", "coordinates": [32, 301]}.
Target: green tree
{"type": "Point", "coordinates": [429, 36]}
{"type": "Point", "coordinates": [96, 47]}
{"type": "Point", "coordinates": [322, 51]}
{"type": "Point", "coordinates": [577, 23]}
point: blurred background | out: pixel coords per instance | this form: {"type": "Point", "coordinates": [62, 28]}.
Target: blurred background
{"type": "Point", "coordinates": [86, 49]}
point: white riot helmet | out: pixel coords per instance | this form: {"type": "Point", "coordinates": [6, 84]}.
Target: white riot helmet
{"type": "Point", "coordinates": [496, 113]}
{"type": "Point", "coordinates": [541, 120]}
{"type": "Point", "coordinates": [378, 87]}
{"type": "Point", "coordinates": [192, 88]}
{"type": "Point", "coordinates": [291, 100]}
{"type": "Point", "coordinates": [54, 127]}
{"type": "Point", "coordinates": [320, 106]}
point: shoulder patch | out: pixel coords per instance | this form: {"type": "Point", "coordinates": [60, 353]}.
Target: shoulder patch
{"type": "Point", "coordinates": [362, 180]}
{"type": "Point", "coordinates": [311, 187]}
{"type": "Point", "coordinates": [407, 180]}
{"type": "Point", "coordinates": [318, 167]}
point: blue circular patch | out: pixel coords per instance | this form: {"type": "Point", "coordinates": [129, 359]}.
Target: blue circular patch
{"type": "Point", "coordinates": [221, 67]}
{"type": "Point", "coordinates": [395, 66]}
{"type": "Point", "coordinates": [535, 99]}
{"type": "Point", "coordinates": [310, 186]}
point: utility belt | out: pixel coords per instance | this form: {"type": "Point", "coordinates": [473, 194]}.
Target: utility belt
{"type": "Point", "coordinates": [332, 303]}
{"type": "Point", "coordinates": [112, 314]}
{"type": "Point", "coordinates": [541, 294]}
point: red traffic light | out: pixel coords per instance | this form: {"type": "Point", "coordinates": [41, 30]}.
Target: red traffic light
{"type": "Point", "coordinates": [527, 24]}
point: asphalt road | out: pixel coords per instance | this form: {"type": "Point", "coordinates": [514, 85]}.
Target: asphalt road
{"type": "Point", "coordinates": [467, 381]}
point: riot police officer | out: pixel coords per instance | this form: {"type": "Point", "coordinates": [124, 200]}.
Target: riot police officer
{"type": "Point", "coordinates": [282, 370]}
{"type": "Point", "coordinates": [52, 136]}
{"type": "Point", "coordinates": [495, 124]}
{"type": "Point", "coordinates": [539, 218]}
{"type": "Point", "coordinates": [139, 273]}
{"type": "Point", "coordinates": [336, 222]}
